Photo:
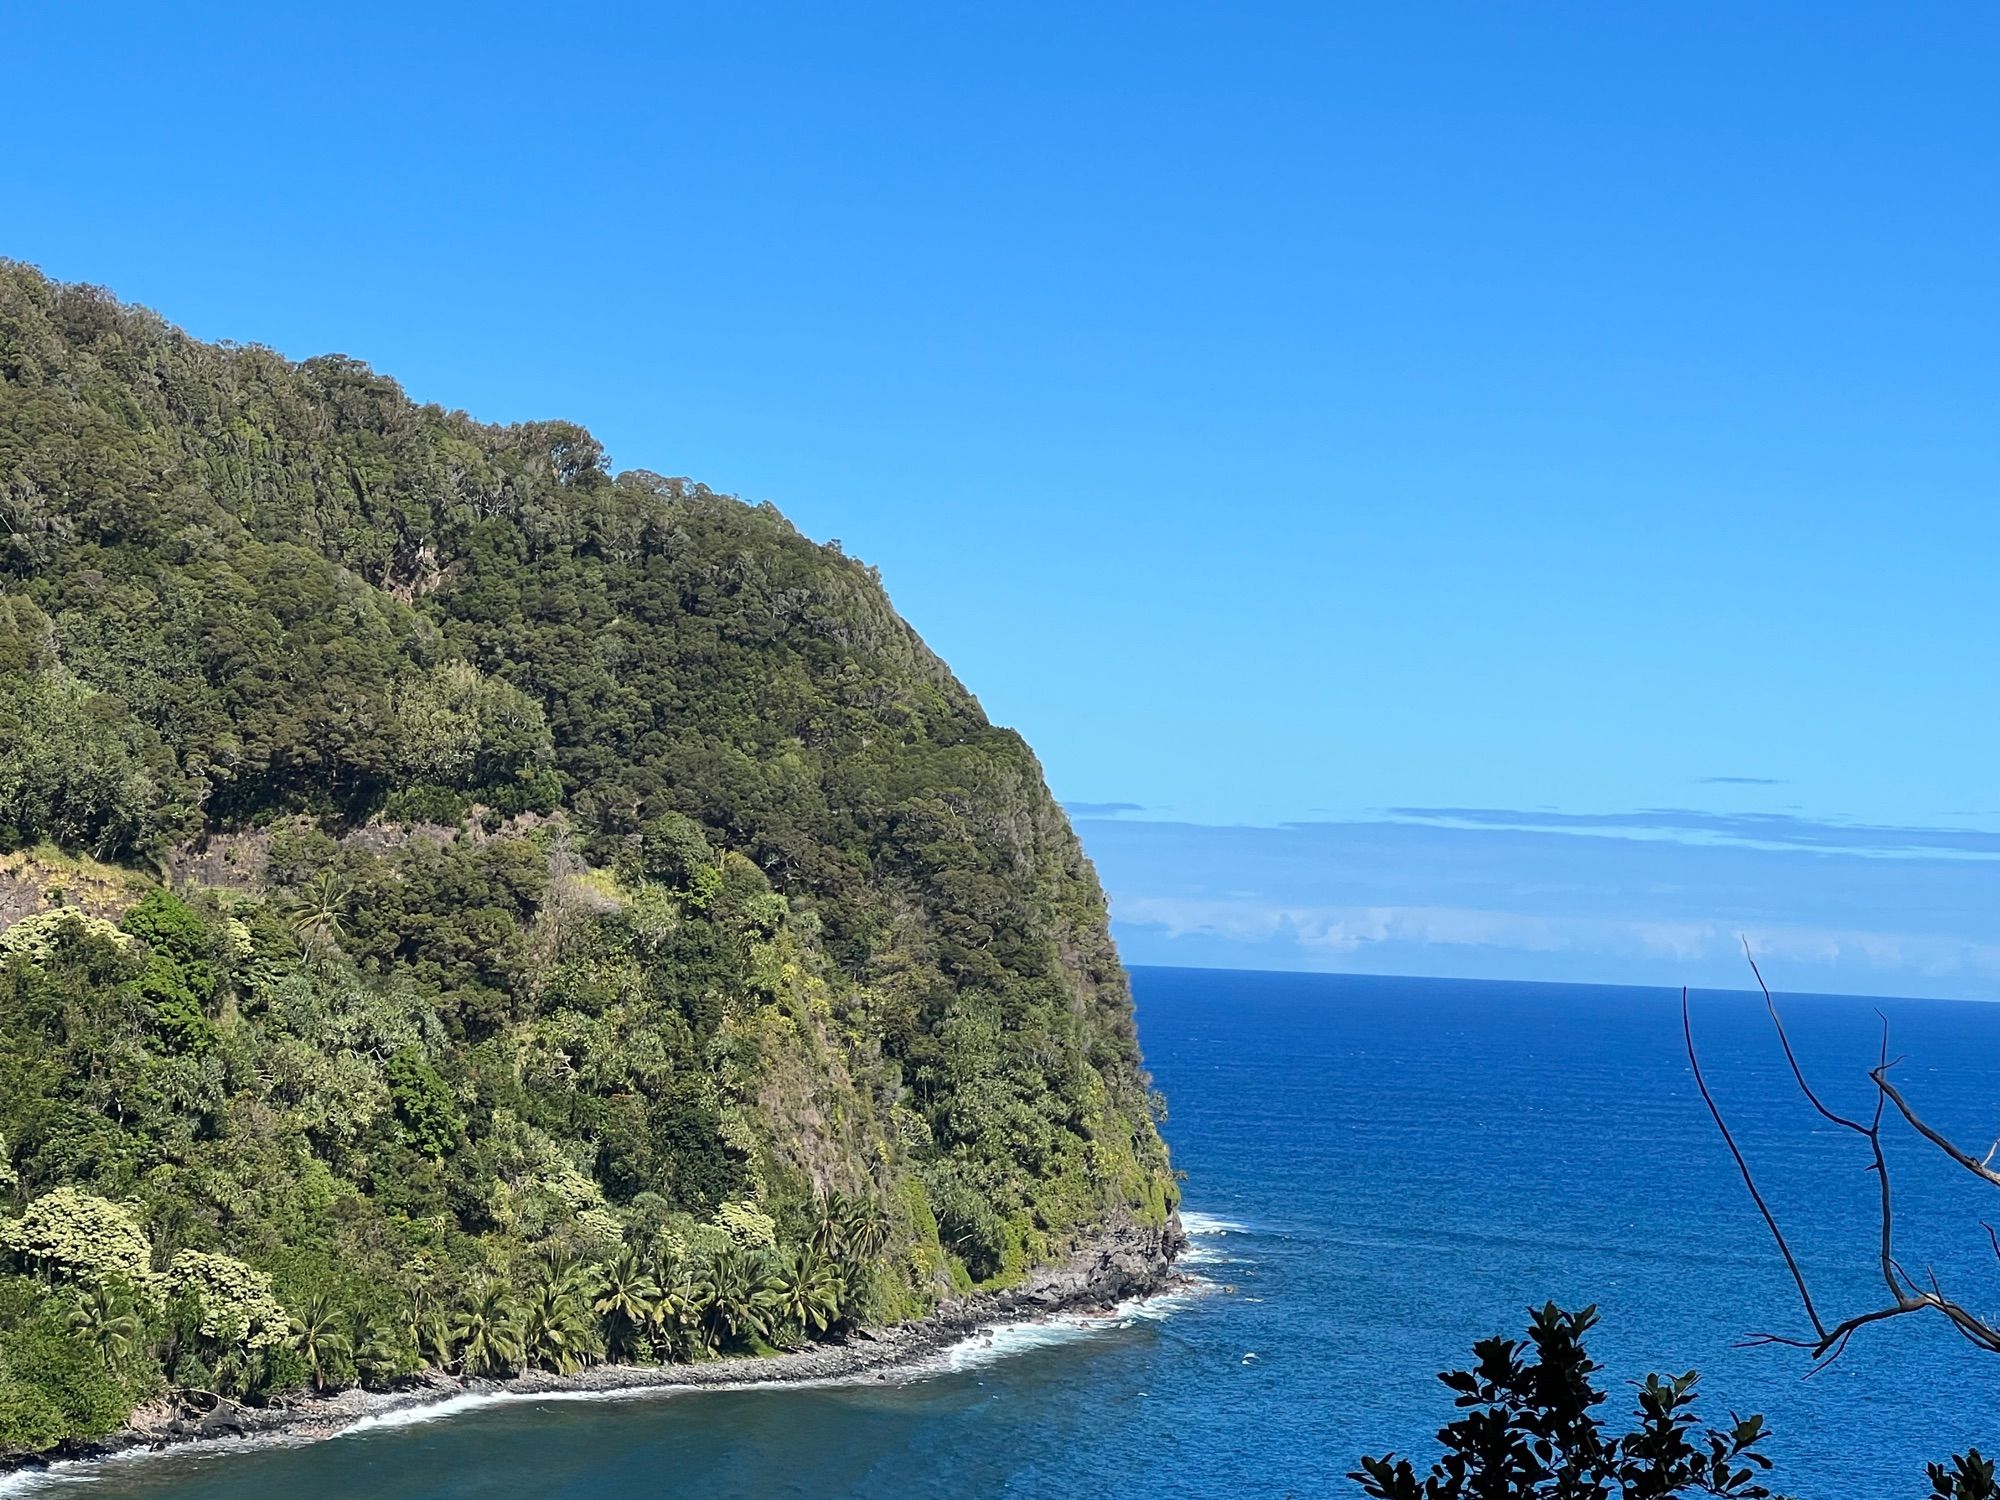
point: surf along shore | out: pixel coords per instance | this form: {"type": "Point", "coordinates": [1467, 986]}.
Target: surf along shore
{"type": "Point", "coordinates": [1121, 1265]}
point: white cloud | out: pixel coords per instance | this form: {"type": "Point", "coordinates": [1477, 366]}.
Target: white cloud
{"type": "Point", "coordinates": [1579, 904]}
{"type": "Point", "coordinates": [1337, 930]}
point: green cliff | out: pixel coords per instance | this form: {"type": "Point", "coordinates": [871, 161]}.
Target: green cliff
{"type": "Point", "coordinates": [462, 907]}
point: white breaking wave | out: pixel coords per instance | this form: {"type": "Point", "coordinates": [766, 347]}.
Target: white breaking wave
{"type": "Point", "coordinates": [1203, 1226]}
{"type": "Point", "coordinates": [1207, 1234]}
{"type": "Point", "coordinates": [429, 1411]}
{"type": "Point", "coordinates": [991, 1345]}
{"type": "Point", "coordinates": [69, 1472]}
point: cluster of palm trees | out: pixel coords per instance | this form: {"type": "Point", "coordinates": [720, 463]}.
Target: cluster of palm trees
{"type": "Point", "coordinates": [652, 1304]}
{"type": "Point", "coordinates": [336, 1347]}
{"type": "Point", "coordinates": [328, 1339]}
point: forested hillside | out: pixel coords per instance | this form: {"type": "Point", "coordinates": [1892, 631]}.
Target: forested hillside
{"type": "Point", "coordinates": [461, 907]}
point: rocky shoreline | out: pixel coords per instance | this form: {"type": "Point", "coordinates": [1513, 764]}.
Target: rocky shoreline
{"type": "Point", "coordinates": [1117, 1266]}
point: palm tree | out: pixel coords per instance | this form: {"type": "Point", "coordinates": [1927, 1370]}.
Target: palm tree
{"type": "Point", "coordinates": [665, 1261]}
{"type": "Point", "coordinates": [317, 920]}
{"type": "Point", "coordinates": [316, 1335]}
{"type": "Point", "coordinates": [801, 1287]}
{"type": "Point", "coordinates": [727, 1295]}
{"type": "Point", "coordinates": [487, 1332]}
{"type": "Point", "coordinates": [557, 1264]}
{"type": "Point", "coordinates": [849, 1226]}
{"type": "Point", "coordinates": [378, 1354]}
{"type": "Point", "coordinates": [625, 1298]}
{"type": "Point", "coordinates": [677, 1313]}
{"type": "Point", "coordinates": [432, 1336]}
{"type": "Point", "coordinates": [865, 1226]}
{"type": "Point", "coordinates": [556, 1332]}
{"type": "Point", "coordinates": [829, 1227]}
{"type": "Point", "coordinates": [424, 1323]}
{"type": "Point", "coordinates": [849, 1231]}
{"type": "Point", "coordinates": [108, 1319]}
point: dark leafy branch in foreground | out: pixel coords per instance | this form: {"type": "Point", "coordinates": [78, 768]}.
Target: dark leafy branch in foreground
{"type": "Point", "coordinates": [1906, 1293]}
{"type": "Point", "coordinates": [1531, 1431]}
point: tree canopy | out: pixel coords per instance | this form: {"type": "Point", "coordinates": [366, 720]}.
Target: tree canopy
{"type": "Point", "coordinates": [438, 852]}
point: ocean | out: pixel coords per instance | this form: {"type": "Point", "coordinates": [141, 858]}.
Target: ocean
{"type": "Point", "coordinates": [1378, 1171]}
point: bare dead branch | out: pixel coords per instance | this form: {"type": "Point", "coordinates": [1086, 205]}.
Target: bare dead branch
{"type": "Point", "coordinates": [1784, 1041]}
{"type": "Point", "coordinates": [1827, 1349]}
{"type": "Point", "coordinates": [1977, 1168]}
{"type": "Point", "coordinates": [1906, 1293]}
{"type": "Point", "coordinates": [1750, 1182]}
{"type": "Point", "coordinates": [1839, 1331]}
{"type": "Point", "coordinates": [1881, 1169]}
{"type": "Point", "coordinates": [1871, 1132]}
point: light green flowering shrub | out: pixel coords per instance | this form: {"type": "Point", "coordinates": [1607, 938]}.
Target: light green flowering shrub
{"type": "Point", "coordinates": [766, 913]}
{"type": "Point", "coordinates": [36, 937]}
{"type": "Point", "coordinates": [70, 1235]}
{"type": "Point", "coordinates": [238, 1308]}
{"type": "Point", "coordinates": [236, 939]}
{"type": "Point", "coordinates": [748, 1225]}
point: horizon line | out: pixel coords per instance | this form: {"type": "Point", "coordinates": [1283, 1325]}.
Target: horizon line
{"type": "Point", "coordinates": [1566, 984]}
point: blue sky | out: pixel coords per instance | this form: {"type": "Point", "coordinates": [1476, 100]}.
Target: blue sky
{"type": "Point", "coordinates": [1284, 414]}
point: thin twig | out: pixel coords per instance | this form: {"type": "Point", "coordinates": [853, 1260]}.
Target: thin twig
{"type": "Point", "coordinates": [1770, 1219]}
{"type": "Point", "coordinates": [1881, 1170]}
{"type": "Point", "coordinates": [1771, 1007]}
{"type": "Point", "coordinates": [1976, 1168]}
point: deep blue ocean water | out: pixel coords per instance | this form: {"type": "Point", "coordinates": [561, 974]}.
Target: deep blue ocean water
{"type": "Point", "coordinates": [1380, 1170]}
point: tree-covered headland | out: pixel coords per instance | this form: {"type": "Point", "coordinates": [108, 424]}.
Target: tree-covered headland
{"type": "Point", "coordinates": [463, 908]}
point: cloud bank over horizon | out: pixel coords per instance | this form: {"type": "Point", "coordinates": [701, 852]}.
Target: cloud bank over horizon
{"type": "Point", "coordinates": [1650, 897]}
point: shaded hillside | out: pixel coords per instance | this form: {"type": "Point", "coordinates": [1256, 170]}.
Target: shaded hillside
{"type": "Point", "coordinates": [538, 864]}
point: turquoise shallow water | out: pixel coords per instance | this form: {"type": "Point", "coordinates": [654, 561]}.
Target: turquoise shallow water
{"type": "Point", "coordinates": [1379, 1170]}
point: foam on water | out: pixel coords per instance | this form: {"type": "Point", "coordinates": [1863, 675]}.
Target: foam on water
{"type": "Point", "coordinates": [1203, 1226]}
{"type": "Point", "coordinates": [27, 1481]}
{"type": "Point", "coordinates": [471, 1401]}
{"type": "Point", "coordinates": [1207, 1236]}
{"type": "Point", "coordinates": [1004, 1340]}
{"type": "Point", "coordinates": [430, 1411]}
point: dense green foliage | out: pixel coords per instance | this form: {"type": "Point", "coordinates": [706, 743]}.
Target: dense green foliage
{"type": "Point", "coordinates": [568, 896]}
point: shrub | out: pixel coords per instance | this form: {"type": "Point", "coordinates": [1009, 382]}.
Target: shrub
{"type": "Point", "coordinates": [234, 1304]}
{"type": "Point", "coordinates": [68, 1234]}
{"type": "Point", "coordinates": [424, 1107]}
{"type": "Point", "coordinates": [54, 1385]}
